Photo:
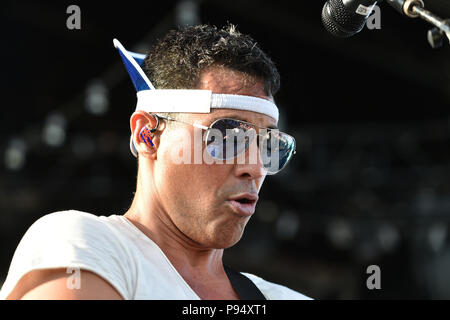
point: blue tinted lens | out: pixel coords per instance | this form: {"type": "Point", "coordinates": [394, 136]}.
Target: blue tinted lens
{"type": "Point", "coordinates": [276, 148]}
{"type": "Point", "coordinates": [227, 138]}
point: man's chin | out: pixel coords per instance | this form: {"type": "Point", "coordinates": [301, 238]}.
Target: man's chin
{"type": "Point", "coordinates": [222, 233]}
{"type": "Point", "coordinates": [226, 240]}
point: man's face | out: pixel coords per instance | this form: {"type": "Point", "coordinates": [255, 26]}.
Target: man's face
{"type": "Point", "coordinates": [200, 199]}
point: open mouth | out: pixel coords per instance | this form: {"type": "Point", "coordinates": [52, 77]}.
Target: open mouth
{"type": "Point", "coordinates": [244, 204]}
{"type": "Point", "coordinates": [244, 200]}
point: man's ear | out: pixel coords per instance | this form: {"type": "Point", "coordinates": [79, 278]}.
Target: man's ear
{"type": "Point", "coordinates": [138, 121]}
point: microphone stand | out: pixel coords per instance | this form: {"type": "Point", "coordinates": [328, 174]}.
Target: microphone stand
{"type": "Point", "coordinates": [415, 9]}
{"type": "Point", "coordinates": [436, 35]}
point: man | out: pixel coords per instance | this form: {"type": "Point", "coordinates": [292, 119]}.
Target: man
{"type": "Point", "coordinates": [169, 244]}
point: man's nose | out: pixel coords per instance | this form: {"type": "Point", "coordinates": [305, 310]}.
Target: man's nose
{"type": "Point", "coordinates": [250, 164]}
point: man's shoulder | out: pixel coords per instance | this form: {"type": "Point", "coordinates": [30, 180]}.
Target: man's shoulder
{"type": "Point", "coordinates": [70, 226]}
{"type": "Point", "coordinates": [74, 239]}
{"type": "Point", "coordinates": [69, 221]}
{"type": "Point", "coordinates": [67, 216]}
{"type": "Point", "coordinates": [273, 291]}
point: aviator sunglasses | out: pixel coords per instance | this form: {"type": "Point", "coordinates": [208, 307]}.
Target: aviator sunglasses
{"type": "Point", "coordinates": [226, 139]}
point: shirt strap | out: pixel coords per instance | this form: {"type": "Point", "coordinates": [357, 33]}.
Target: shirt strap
{"type": "Point", "coordinates": [244, 287]}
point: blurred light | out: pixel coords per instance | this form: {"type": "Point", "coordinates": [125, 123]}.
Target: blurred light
{"type": "Point", "coordinates": [267, 211]}
{"type": "Point", "coordinates": [437, 235]}
{"type": "Point", "coordinates": [340, 234]}
{"type": "Point", "coordinates": [436, 275]}
{"type": "Point", "coordinates": [388, 237]}
{"type": "Point", "coordinates": [287, 225]}
{"type": "Point", "coordinates": [54, 132]}
{"type": "Point", "coordinates": [97, 101]}
{"type": "Point", "coordinates": [187, 13]}
{"type": "Point", "coordinates": [83, 146]}
{"type": "Point", "coordinates": [15, 153]}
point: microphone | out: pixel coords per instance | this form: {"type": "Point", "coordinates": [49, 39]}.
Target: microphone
{"type": "Point", "coordinates": [345, 18]}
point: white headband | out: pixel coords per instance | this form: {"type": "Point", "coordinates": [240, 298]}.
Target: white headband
{"type": "Point", "coordinates": [201, 101]}
{"type": "Point", "coordinates": [198, 101]}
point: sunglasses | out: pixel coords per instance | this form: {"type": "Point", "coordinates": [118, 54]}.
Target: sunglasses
{"type": "Point", "coordinates": [227, 139]}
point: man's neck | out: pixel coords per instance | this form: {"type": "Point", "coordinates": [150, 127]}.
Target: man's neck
{"type": "Point", "coordinates": [175, 245]}
{"type": "Point", "coordinates": [201, 268]}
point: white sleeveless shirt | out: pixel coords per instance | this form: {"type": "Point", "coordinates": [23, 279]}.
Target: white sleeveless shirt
{"type": "Point", "coordinates": [114, 249]}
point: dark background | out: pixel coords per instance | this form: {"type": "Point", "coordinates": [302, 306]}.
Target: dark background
{"type": "Point", "coordinates": [370, 183]}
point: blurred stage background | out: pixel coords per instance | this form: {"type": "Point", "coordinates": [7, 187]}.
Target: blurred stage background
{"type": "Point", "coordinates": [370, 183]}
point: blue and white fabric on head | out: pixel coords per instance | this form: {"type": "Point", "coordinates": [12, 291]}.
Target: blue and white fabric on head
{"type": "Point", "coordinates": [150, 99]}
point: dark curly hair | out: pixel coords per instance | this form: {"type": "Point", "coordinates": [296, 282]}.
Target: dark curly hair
{"type": "Point", "coordinates": [177, 60]}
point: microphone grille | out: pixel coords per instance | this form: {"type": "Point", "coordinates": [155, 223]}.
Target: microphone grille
{"type": "Point", "coordinates": [340, 21]}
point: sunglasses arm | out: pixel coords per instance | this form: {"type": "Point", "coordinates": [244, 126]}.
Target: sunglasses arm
{"type": "Point", "coordinates": [198, 125]}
